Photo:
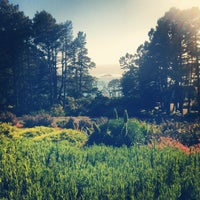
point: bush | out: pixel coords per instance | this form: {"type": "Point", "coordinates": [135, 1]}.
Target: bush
{"type": "Point", "coordinates": [8, 117]}
{"type": "Point", "coordinates": [6, 129]}
{"type": "Point", "coordinates": [44, 169]}
{"type": "Point", "coordinates": [37, 120]}
{"type": "Point", "coordinates": [99, 136]}
{"type": "Point", "coordinates": [79, 123]}
{"type": "Point", "coordinates": [61, 124]}
{"type": "Point", "coordinates": [57, 111]}
{"type": "Point", "coordinates": [186, 132]}
{"type": "Point", "coordinates": [85, 123]}
{"type": "Point", "coordinates": [72, 123]}
{"type": "Point", "coordinates": [119, 132]}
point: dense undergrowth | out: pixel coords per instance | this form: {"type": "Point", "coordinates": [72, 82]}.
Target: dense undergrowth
{"type": "Point", "coordinates": [52, 163]}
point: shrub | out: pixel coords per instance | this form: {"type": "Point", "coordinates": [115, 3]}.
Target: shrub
{"type": "Point", "coordinates": [8, 117]}
{"type": "Point", "coordinates": [6, 129]}
{"type": "Point", "coordinates": [99, 136]}
{"type": "Point", "coordinates": [44, 169]}
{"type": "Point", "coordinates": [79, 123]}
{"type": "Point", "coordinates": [61, 124]}
{"type": "Point", "coordinates": [72, 123]}
{"type": "Point", "coordinates": [123, 132]}
{"type": "Point", "coordinates": [185, 132]}
{"type": "Point", "coordinates": [57, 110]}
{"type": "Point", "coordinates": [85, 123]}
{"type": "Point", "coordinates": [37, 120]}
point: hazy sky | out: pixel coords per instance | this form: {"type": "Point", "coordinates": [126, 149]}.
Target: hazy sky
{"type": "Point", "coordinates": [113, 27]}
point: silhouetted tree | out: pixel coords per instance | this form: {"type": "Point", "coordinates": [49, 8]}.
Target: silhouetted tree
{"type": "Point", "coordinates": [66, 40]}
{"type": "Point", "coordinates": [14, 41]}
{"type": "Point", "coordinates": [130, 83]}
{"type": "Point", "coordinates": [40, 62]}
{"type": "Point", "coordinates": [114, 88]}
{"type": "Point", "coordinates": [79, 70]}
{"type": "Point", "coordinates": [47, 36]}
{"type": "Point", "coordinates": [169, 63]}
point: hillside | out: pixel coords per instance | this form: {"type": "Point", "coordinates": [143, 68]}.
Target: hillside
{"type": "Point", "coordinates": [47, 163]}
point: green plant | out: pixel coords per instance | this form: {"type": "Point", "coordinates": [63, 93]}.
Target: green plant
{"type": "Point", "coordinates": [116, 113]}
{"type": "Point", "coordinates": [85, 123]}
{"type": "Point", "coordinates": [72, 123]}
{"type": "Point", "coordinates": [45, 169]}
{"type": "Point", "coordinates": [96, 137]}
{"type": "Point", "coordinates": [118, 132]}
{"type": "Point", "coordinates": [61, 124]}
{"type": "Point", "coordinates": [6, 129]}
{"type": "Point", "coordinates": [96, 128]}
{"type": "Point", "coordinates": [125, 116]}
{"type": "Point", "coordinates": [124, 130]}
{"type": "Point", "coordinates": [57, 110]}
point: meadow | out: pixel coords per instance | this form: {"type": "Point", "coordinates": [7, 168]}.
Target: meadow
{"type": "Point", "coordinates": [51, 163]}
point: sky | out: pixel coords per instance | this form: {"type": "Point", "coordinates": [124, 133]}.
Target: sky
{"type": "Point", "coordinates": [113, 27]}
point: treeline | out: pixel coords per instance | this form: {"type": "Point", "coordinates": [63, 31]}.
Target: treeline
{"type": "Point", "coordinates": [44, 67]}
{"type": "Point", "coordinates": [41, 62]}
{"type": "Point", "coordinates": [166, 69]}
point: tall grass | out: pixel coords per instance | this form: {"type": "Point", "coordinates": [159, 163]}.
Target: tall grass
{"type": "Point", "coordinates": [33, 168]}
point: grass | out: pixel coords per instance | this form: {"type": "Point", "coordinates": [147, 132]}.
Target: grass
{"type": "Point", "coordinates": [49, 163]}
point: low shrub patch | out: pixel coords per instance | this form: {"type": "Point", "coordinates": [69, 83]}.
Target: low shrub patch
{"type": "Point", "coordinates": [41, 119]}
{"type": "Point", "coordinates": [8, 117]}
{"type": "Point", "coordinates": [117, 132]}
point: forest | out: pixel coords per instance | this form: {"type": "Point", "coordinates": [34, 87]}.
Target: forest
{"type": "Point", "coordinates": [61, 137]}
{"type": "Point", "coordinates": [42, 65]}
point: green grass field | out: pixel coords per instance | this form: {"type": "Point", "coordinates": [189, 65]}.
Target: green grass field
{"type": "Point", "coordinates": [47, 163]}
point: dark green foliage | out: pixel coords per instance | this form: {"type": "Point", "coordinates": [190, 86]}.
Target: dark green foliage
{"type": "Point", "coordinates": [8, 117]}
{"type": "Point", "coordinates": [130, 82]}
{"type": "Point", "coordinates": [61, 124]}
{"type": "Point", "coordinates": [57, 111]}
{"type": "Point", "coordinates": [114, 88]}
{"type": "Point", "coordinates": [100, 106]}
{"type": "Point", "coordinates": [118, 133]}
{"type": "Point", "coordinates": [85, 123]}
{"type": "Point", "coordinates": [30, 49]}
{"type": "Point", "coordinates": [41, 119]}
{"type": "Point", "coordinates": [98, 136]}
{"type": "Point", "coordinates": [72, 123]}
{"type": "Point", "coordinates": [14, 35]}
{"type": "Point", "coordinates": [96, 128]}
{"type": "Point", "coordinates": [166, 69]}
{"type": "Point", "coordinates": [77, 106]}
